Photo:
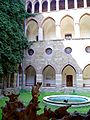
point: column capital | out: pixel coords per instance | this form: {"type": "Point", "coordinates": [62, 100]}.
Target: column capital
{"type": "Point", "coordinates": [40, 7]}
{"type": "Point", "coordinates": [48, 5]}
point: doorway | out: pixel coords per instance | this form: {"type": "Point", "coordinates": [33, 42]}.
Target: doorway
{"type": "Point", "coordinates": [69, 80]}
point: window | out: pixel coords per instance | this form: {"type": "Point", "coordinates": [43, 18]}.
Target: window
{"type": "Point", "coordinates": [68, 50]}
{"type": "Point", "coordinates": [30, 52]}
{"type": "Point", "coordinates": [61, 4]}
{"type": "Point", "coordinates": [29, 7]}
{"type": "Point", "coordinates": [87, 49]}
{"type": "Point", "coordinates": [53, 5]}
{"type": "Point", "coordinates": [44, 6]}
{"type": "Point", "coordinates": [80, 3]}
{"type": "Point", "coordinates": [70, 4]}
{"type": "Point", "coordinates": [88, 3]}
{"type": "Point", "coordinates": [68, 36]}
{"type": "Point", "coordinates": [48, 51]}
{"type": "Point", "coordinates": [36, 7]}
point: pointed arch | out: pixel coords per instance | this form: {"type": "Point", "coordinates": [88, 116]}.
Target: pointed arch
{"type": "Point", "coordinates": [70, 4]}
{"type": "Point", "coordinates": [85, 26]}
{"type": "Point", "coordinates": [30, 74]}
{"type": "Point", "coordinates": [32, 30]}
{"type": "Point", "coordinates": [48, 76]}
{"type": "Point", "coordinates": [36, 7]}
{"type": "Point", "coordinates": [86, 72]}
{"type": "Point", "coordinates": [80, 3]}
{"type": "Point", "coordinates": [88, 3]}
{"type": "Point", "coordinates": [68, 76]}
{"type": "Point", "coordinates": [61, 4]}
{"type": "Point", "coordinates": [29, 7]}
{"type": "Point", "coordinates": [44, 6]}
{"type": "Point", "coordinates": [67, 26]}
{"type": "Point", "coordinates": [53, 5]}
{"type": "Point", "coordinates": [49, 29]}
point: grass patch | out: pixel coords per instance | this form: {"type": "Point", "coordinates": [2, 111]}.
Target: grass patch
{"type": "Point", "coordinates": [25, 97]}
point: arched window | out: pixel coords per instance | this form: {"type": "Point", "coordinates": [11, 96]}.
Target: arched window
{"type": "Point", "coordinates": [53, 5]}
{"type": "Point", "coordinates": [70, 4]}
{"type": "Point", "coordinates": [36, 7]}
{"type": "Point", "coordinates": [61, 4]}
{"type": "Point", "coordinates": [44, 6]}
{"type": "Point", "coordinates": [29, 7]}
{"type": "Point", "coordinates": [80, 3]}
{"type": "Point", "coordinates": [88, 3]}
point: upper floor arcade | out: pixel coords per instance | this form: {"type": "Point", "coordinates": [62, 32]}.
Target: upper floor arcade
{"type": "Point", "coordinates": [59, 26]}
{"type": "Point", "coordinates": [39, 6]}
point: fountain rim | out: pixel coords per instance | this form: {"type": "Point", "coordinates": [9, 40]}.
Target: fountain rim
{"type": "Point", "coordinates": [73, 104]}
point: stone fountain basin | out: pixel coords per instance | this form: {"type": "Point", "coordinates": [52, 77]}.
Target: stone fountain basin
{"type": "Point", "coordinates": [62, 100]}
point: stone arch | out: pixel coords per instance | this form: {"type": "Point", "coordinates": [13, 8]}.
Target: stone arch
{"type": "Point", "coordinates": [88, 3]}
{"type": "Point", "coordinates": [52, 5]}
{"type": "Point", "coordinates": [85, 26]}
{"type": "Point", "coordinates": [29, 7]}
{"type": "Point", "coordinates": [70, 4]}
{"type": "Point", "coordinates": [68, 76]}
{"type": "Point", "coordinates": [80, 3]}
{"type": "Point", "coordinates": [30, 74]}
{"type": "Point", "coordinates": [32, 30]}
{"type": "Point", "coordinates": [67, 26]}
{"type": "Point", "coordinates": [61, 4]}
{"type": "Point", "coordinates": [45, 6]}
{"type": "Point", "coordinates": [49, 76]}
{"type": "Point", "coordinates": [36, 6]}
{"type": "Point", "coordinates": [49, 29]}
{"type": "Point", "coordinates": [86, 72]}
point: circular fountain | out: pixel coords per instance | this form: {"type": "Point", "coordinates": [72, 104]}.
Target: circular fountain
{"type": "Point", "coordinates": [62, 100]}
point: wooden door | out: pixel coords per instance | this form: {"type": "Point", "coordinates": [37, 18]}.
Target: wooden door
{"type": "Point", "coordinates": [69, 80]}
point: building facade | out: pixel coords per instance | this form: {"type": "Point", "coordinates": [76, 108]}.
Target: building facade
{"type": "Point", "coordinates": [59, 55]}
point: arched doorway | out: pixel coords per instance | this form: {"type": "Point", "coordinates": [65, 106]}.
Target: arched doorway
{"type": "Point", "coordinates": [30, 76]}
{"type": "Point", "coordinates": [68, 76]}
{"type": "Point", "coordinates": [48, 76]}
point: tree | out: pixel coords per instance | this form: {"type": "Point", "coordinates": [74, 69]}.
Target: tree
{"type": "Point", "coordinates": [12, 37]}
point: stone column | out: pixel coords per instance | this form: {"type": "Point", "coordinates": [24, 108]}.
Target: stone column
{"type": "Point", "coordinates": [39, 78]}
{"type": "Point", "coordinates": [24, 81]}
{"type": "Point", "coordinates": [79, 80]}
{"type": "Point", "coordinates": [75, 4]}
{"type": "Point", "coordinates": [57, 5]}
{"type": "Point", "coordinates": [40, 34]}
{"type": "Point", "coordinates": [85, 3]}
{"type": "Point", "coordinates": [48, 5]}
{"type": "Point", "coordinates": [77, 30]}
{"type": "Point", "coordinates": [58, 33]}
{"type": "Point", "coordinates": [58, 80]}
{"type": "Point", "coordinates": [26, 4]}
{"type": "Point", "coordinates": [66, 4]}
{"type": "Point", "coordinates": [17, 80]}
{"type": "Point", "coordinates": [40, 7]}
{"type": "Point", "coordinates": [32, 8]}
